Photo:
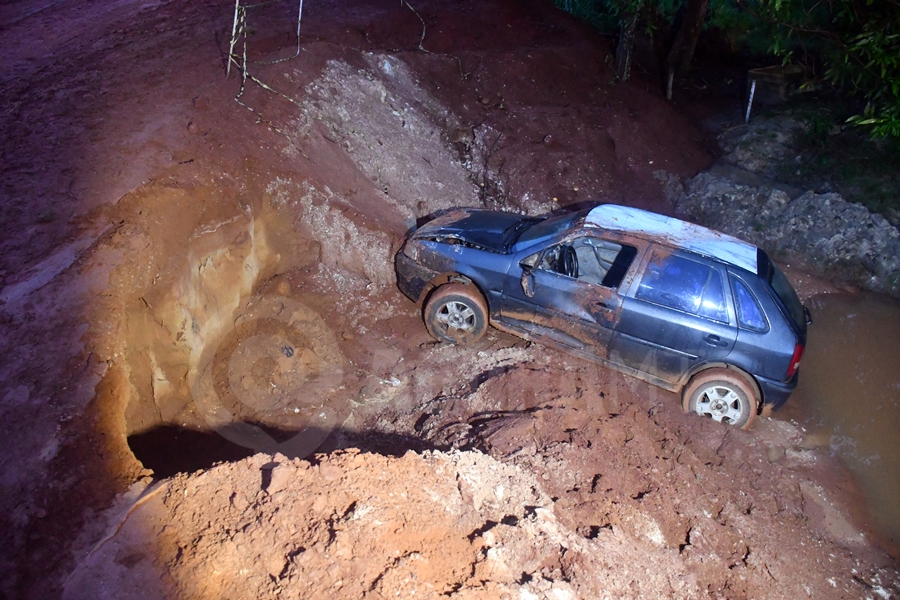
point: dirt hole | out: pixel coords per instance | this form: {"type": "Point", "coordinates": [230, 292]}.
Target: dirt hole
{"type": "Point", "coordinates": [216, 369]}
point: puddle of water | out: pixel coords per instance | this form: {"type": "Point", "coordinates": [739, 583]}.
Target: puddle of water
{"type": "Point", "coordinates": [849, 394]}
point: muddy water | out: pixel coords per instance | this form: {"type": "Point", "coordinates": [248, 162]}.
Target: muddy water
{"type": "Point", "coordinates": [848, 398]}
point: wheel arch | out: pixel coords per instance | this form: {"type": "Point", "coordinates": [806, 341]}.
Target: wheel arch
{"type": "Point", "coordinates": [451, 277]}
{"type": "Point", "coordinates": [685, 380]}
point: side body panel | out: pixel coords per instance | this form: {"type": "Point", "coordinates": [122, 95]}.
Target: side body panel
{"type": "Point", "coordinates": [668, 343]}
{"type": "Point", "coordinates": [578, 314]}
{"type": "Point", "coordinates": [766, 354]}
{"type": "Point", "coordinates": [488, 270]}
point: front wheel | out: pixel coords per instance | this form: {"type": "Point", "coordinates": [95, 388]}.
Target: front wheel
{"type": "Point", "coordinates": [723, 395]}
{"type": "Point", "coordinates": [456, 313]}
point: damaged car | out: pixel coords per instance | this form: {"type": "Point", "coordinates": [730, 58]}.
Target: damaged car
{"type": "Point", "coordinates": [683, 307]}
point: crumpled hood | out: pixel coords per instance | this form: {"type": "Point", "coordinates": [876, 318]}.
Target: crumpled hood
{"type": "Point", "coordinates": [484, 228]}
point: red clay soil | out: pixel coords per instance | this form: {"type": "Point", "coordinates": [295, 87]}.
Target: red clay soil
{"type": "Point", "coordinates": [185, 281]}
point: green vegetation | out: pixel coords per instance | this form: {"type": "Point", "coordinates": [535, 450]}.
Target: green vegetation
{"type": "Point", "coordinates": [853, 46]}
{"type": "Point", "coordinates": [843, 159]}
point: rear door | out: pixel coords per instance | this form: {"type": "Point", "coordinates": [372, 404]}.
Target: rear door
{"type": "Point", "coordinates": [677, 315]}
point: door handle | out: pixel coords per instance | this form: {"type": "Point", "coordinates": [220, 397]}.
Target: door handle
{"type": "Point", "coordinates": [714, 340]}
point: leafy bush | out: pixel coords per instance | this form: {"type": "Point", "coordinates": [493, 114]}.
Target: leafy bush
{"type": "Point", "coordinates": [871, 64]}
{"type": "Point", "coordinates": [854, 45]}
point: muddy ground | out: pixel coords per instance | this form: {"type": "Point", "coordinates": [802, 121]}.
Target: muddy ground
{"type": "Point", "coordinates": [186, 279]}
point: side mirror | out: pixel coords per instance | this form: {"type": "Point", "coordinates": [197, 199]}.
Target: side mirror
{"type": "Point", "coordinates": [528, 281]}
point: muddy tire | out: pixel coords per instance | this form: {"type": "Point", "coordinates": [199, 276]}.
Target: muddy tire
{"type": "Point", "coordinates": [456, 314]}
{"type": "Point", "coordinates": [723, 395]}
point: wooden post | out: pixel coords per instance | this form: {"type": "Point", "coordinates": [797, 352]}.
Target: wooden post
{"type": "Point", "coordinates": [237, 6]}
{"type": "Point", "coordinates": [626, 47]}
{"type": "Point", "coordinates": [750, 101]}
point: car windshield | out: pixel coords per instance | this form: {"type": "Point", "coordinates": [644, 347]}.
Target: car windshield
{"type": "Point", "coordinates": [788, 296]}
{"type": "Point", "coordinates": [539, 229]}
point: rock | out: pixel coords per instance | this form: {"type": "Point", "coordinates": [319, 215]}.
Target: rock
{"type": "Point", "coordinates": [763, 145]}
{"type": "Point", "coordinates": [281, 478]}
{"type": "Point", "coordinates": [839, 239]}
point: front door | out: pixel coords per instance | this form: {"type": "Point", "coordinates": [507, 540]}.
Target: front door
{"type": "Point", "coordinates": [574, 291]}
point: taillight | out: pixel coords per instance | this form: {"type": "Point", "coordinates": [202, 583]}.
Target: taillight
{"type": "Point", "coordinates": [795, 361]}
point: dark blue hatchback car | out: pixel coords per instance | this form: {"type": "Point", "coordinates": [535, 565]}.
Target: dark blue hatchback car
{"type": "Point", "coordinates": [678, 305]}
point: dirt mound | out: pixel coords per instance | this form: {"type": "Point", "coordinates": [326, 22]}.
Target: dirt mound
{"type": "Point", "coordinates": [362, 526]}
{"type": "Point", "coordinates": [356, 525]}
{"type": "Point", "coordinates": [350, 526]}
{"type": "Point", "coordinates": [577, 483]}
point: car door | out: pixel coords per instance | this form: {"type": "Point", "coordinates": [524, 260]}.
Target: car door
{"type": "Point", "coordinates": [572, 287]}
{"type": "Point", "coordinates": [677, 315]}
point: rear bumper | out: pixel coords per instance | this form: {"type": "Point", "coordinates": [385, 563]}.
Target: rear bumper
{"type": "Point", "coordinates": [412, 278]}
{"type": "Point", "coordinates": [776, 393]}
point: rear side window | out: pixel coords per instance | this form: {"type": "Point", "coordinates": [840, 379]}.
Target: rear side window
{"type": "Point", "coordinates": [685, 285]}
{"type": "Point", "coordinates": [749, 314]}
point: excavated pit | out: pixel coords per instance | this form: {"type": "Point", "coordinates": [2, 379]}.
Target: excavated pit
{"type": "Point", "coordinates": [216, 368]}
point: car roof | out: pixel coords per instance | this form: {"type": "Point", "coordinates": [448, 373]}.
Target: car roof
{"type": "Point", "coordinates": [674, 232]}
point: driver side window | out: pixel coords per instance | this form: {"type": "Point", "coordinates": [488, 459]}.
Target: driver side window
{"type": "Point", "coordinates": [589, 259]}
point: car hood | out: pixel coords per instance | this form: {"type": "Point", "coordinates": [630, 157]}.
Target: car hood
{"type": "Point", "coordinates": [488, 229]}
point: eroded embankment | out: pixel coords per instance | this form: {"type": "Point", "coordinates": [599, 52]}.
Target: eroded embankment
{"type": "Point", "coordinates": [173, 315]}
{"type": "Point", "coordinates": [192, 285]}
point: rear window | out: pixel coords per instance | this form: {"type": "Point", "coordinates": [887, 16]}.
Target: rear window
{"type": "Point", "coordinates": [685, 285]}
{"type": "Point", "coordinates": [785, 292]}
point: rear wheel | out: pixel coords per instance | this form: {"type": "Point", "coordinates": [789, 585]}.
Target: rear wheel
{"type": "Point", "coordinates": [723, 395]}
{"type": "Point", "coordinates": [456, 313]}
